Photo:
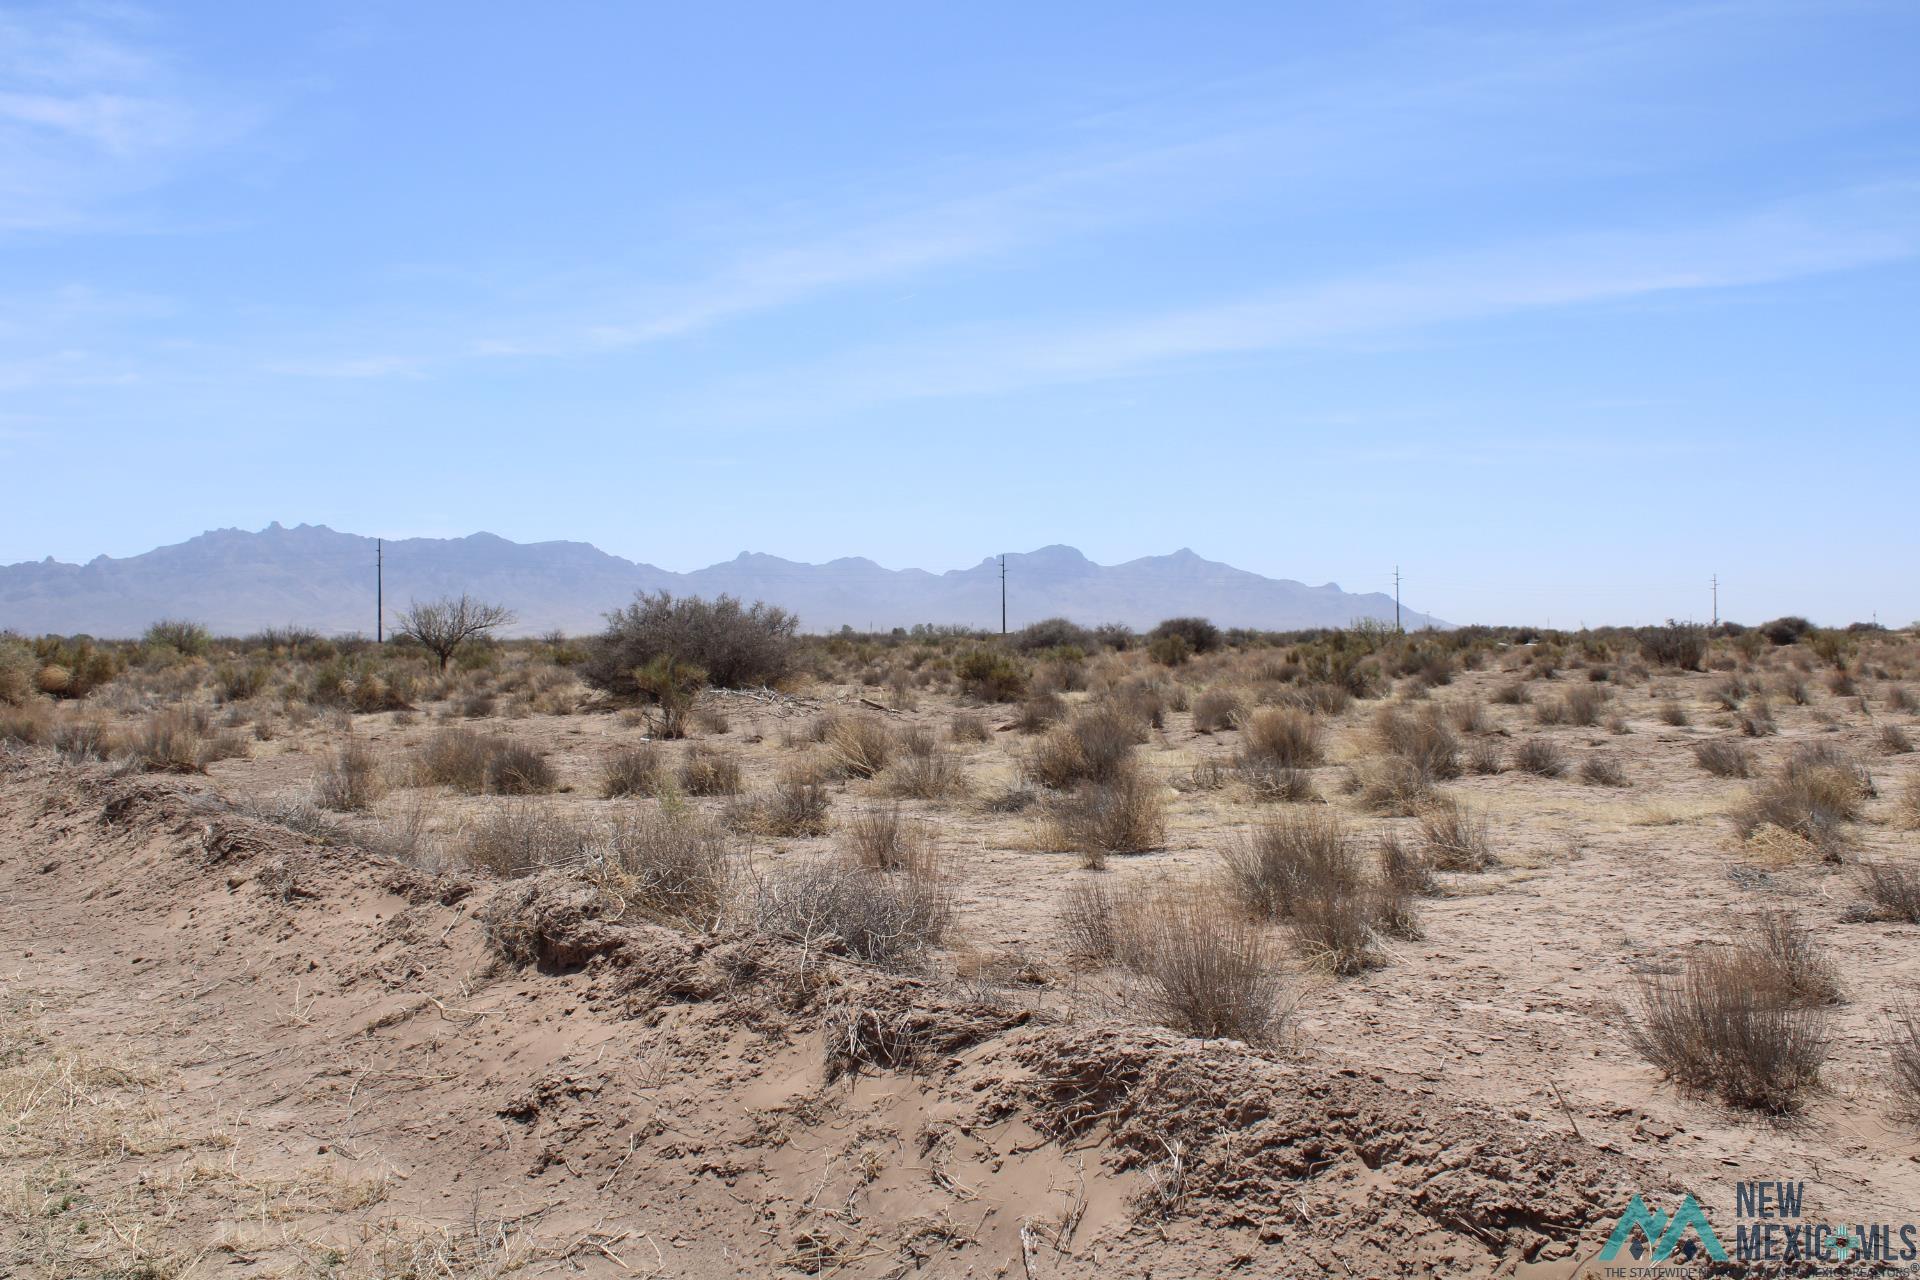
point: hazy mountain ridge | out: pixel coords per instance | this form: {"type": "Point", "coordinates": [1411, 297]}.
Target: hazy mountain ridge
{"type": "Point", "coordinates": [238, 581]}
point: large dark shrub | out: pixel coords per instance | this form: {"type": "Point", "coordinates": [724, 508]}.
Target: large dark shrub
{"type": "Point", "coordinates": [1201, 636]}
{"type": "Point", "coordinates": [1788, 630]}
{"type": "Point", "coordinates": [1678, 644]}
{"type": "Point", "coordinates": [736, 645]}
{"type": "Point", "coordinates": [1054, 633]}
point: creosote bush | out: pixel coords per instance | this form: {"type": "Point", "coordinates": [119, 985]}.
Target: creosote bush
{"type": "Point", "coordinates": [737, 646]}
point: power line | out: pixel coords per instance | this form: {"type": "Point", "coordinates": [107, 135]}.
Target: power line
{"type": "Point", "coordinates": [379, 590]}
{"type": "Point", "coordinates": [1396, 599]}
{"type": "Point", "coordinates": [1003, 593]}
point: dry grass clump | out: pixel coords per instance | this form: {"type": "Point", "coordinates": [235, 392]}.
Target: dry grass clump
{"type": "Point", "coordinates": [859, 746]}
{"type": "Point", "coordinates": [1786, 961]}
{"type": "Point", "coordinates": [969, 726]}
{"type": "Point", "coordinates": [1541, 757]}
{"type": "Point", "coordinates": [1422, 740]}
{"type": "Point", "coordinates": [1908, 813]}
{"type": "Point", "coordinates": [1454, 837]}
{"type": "Point", "coordinates": [1402, 876]}
{"type": "Point", "coordinates": [636, 770]}
{"type": "Point", "coordinates": [483, 763]}
{"type": "Point", "coordinates": [1756, 719]}
{"type": "Point", "coordinates": [668, 865]}
{"type": "Point", "coordinates": [350, 782]}
{"type": "Point", "coordinates": [1816, 793]}
{"type": "Point", "coordinates": [520, 838]}
{"type": "Point", "coordinates": [1269, 867]}
{"type": "Point", "coordinates": [795, 806]}
{"type": "Point", "coordinates": [1040, 712]}
{"type": "Point", "coordinates": [1216, 710]}
{"type": "Point", "coordinates": [1674, 712]}
{"type": "Point", "coordinates": [181, 740]}
{"type": "Point", "coordinates": [1737, 1022]}
{"type": "Point", "coordinates": [932, 773]}
{"type": "Point", "coordinates": [1900, 698]}
{"type": "Point", "coordinates": [885, 918]}
{"type": "Point", "coordinates": [1903, 1040]}
{"type": "Point", "coordinates": [1894, 740]}
{"type": "Point", "coordinates": [1580, 706]}
{"type": "Point", "coordinates": [1126, 813]}
{"type": "Point", "coordinates": [1469, 716]}
{"type": "Point", "coordinates": [1603, 771]}
{"type": "Point", "coordinates": [1514, 693]}
{"type": "Point", "coordinates": [1202, 971]}
{"type": "Point", "coordinates": [1267, 780]}
{"type": "Point", "coordinates": [1095, 746]}
{"type": "Point", "coordinates": [1724, 759]}
{"type": "Point", "coordinates": [886, 840]}
{"type": "Point", "coordinates": [709, 771]}
{"type": "Point", "coordinates": [1893, 891]}
{"type": "Point", "coordinates": [1394, 786]}
{"type": "Point", "coordinates": [1286, 737]}
{"type": "Point", "coordinates": [1485, 758]}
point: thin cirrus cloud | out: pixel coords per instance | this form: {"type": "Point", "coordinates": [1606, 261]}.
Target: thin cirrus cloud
{"type": "Point", "coordinates": [1837, 232]}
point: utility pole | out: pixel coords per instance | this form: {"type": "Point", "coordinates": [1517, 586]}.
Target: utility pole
{"type": "Point", "coordinates": [379, 590]}
{"type": "Point", "coordinates": [1003, 593]}
{"type": "Point", "coordinates": [1716, 599]}
{"type": "Point", "coordinates": [1396, 599]}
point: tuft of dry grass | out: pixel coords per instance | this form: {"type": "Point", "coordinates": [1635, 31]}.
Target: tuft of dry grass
{"type": "Point", "coordinates": [1724, 759]}
{"type": "Point", "coordinates": [1454, 837]}
{"type": "Point", "coordinates": [859, 746]}
{"type": "Point", "coordinates": [1095, 746]}
{"type": "Point", "coordinates": [350, 782]}
{"type": "Point", "coordinates": [1894, 740]}
{"type": "Point", "coordinates": [1603, 771]}
{"type": "Point", "coordinates": [1893, 891]}
{"type": "Point", "coordinates": [1269, 867]}
{"type": "Point", "coordinates": [668, 866]}
{"type": "Point", "coordinates": [709, 771]}
{"type": "Point", "coordinates": [1728, 1026]}
{"type": "Point", "coordinates": [1127, 813]}
{"type": "Point", "coordinates": [1903, 1058]}
{"type": "Point", "coordinates": [636, 770]}
{"type": "Point", "coordinates": [1204, 972]}
{"type": "Point", "coordinates": [1217, 710]}
{"type": "Point", "coordinates": [885, 918]}
{"type": "Point", "coordinates": [1541, 757]}
{"type": "Point", "coordinates": [969, 726]}
{"type": "Point", "coordinates": [520, 838]}
{"type": "Point", "coordinates": [1815, 795]}
{"type": "Point", "coordinates": [886, 840]}
{"type": "Point", "coordinates": [483, 763]}
{"type": "Point", "coordinates": [1674, 712]}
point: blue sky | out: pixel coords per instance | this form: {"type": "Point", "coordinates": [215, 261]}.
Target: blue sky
{"type": "Point", "coordinates": [1563, 308]}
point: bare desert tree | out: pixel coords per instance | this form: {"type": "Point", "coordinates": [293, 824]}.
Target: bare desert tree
{"type": "Point", "coordinates": [442, 626]}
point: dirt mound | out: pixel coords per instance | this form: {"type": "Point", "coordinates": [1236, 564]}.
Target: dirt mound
{"type": "Point", "coordinates": [524, 1077]}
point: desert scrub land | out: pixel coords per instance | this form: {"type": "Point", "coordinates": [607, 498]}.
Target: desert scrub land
{"type": "Point", "coordinates": [702, 948]}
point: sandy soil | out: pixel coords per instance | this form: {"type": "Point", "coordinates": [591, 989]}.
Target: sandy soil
{"type": "Point", "coordinates": [315, 1064]}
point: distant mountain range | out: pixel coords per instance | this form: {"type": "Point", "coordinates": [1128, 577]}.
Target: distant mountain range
{"type": "Point", "coordinates": [237, 582]}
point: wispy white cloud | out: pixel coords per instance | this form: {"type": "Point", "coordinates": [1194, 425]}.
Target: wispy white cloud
{"type": "Point", "coordinates": [88, 114]}
{"type": "Point", "coordinates": [1836, 232]}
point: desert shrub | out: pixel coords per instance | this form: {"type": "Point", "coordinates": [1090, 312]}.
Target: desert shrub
{"type": "Point", "coordinates": [1402, 868]}
{"type": "Point", "coordinates": [933, 774]}
{"type": "Point", "coordinates": [859, 746]}
{"type": "Point", "coordinates": [1817, 791]}
{"type": "Point", "coordinates": [1454, 837]}
{"type": "Point", "coordinates": [968, 726]}
{"type": "Point", "coordinates": [1199, 635]}
{"type": "Point", "coordinates": [1756, 719]}
{"type": "Point", "coordinates": [1335, 927]}
{"type": "Point", "coordinates": [519, 838]}
{"type": "Point", "coordinates": [1903, 1041]}
{"type": "Point", "coordinates": [239, 681]}
{"type": "Point", "coordinates": [181, 740]}
{"type": "Point", "coordinates": [1469, 716]}
{"type": "Point", "coordinates": [1729, 693]}
{"type": "Point", "coordinates": [1054, 633]}
{"type": "Point", "coordinates": [1422, 741]}
{"type": "Point", "coordinates": [1724, 759]}
{"type": "Point", "coordinates": [1900, 698]}
{"type": "Point", "coordinates": [1713, 1028]}
{"type": "Point", "coordinates": [1784, 961]}
{"type": "Point", "coordinates": [886, 840]}
{"type": "Point", "coordinates": [1894, 740]}
{"type": "Point", "coordinates": [672, 685]}
{"type": "Point", "coordinates": [1092, 916]}
{"type": "Point", "coordinates": [1512, 694]}
{"type": "Point", "coordinates": [1203, 972]}
{"type": "Point", "coordinates": [1541, 757]}
{"type": "Point", "coordinates": [736, 646]}
{"type": "Point", "coordinates": [18, 667]}
{"type": "Point", "coordinates": [1603, 771]}
{"type": "Point", "coordinates": [795, 806]}
{"type": "Point", "coordinates": [885, 918]}
{"type": "Point", "coordinates": [1394, 786]}
{"type": "Point", "coordinates": [1674, 712]}
{"type": "Point", "coordinates": [81, 740]}
{"type": "Point", "coordinates": [1095, 746]}
{"type": "Point", "coordinates": [180, 636]}
{"type": "Point", "coordinates": [1268, 868]}
{"type": "Point", "coordinates": [1676, 644]}
{"type": "Point", "coordinates": [1126, 812]}
{"type": "Point", "coordinates": [989, 675]}
{"type": "Point", "coordinates": [632, 771]}
{"type": "Point", "coordinates": [1785, 631]}
{"type": "Point", "coordinates": [1893, 891]}
{"type": "Point", "coordinates": [669, 866]}
{"type": "Point", "coordinates": [73, 668]}
{"type": "Point", "coordinates": [1484, 757]}
{"type": "Point", "coordinates": [1794, 690]}
{"type": "Point", "coordinates": [1908, 813]}
{"type": "Point", "coordinates": [1285, 737]}
{"type": "Point", "coordinates": [350, 782]}
{"type": "Point", "coordinates": [1317, 696]}
{"type": "Point", "coordinates": [1269, 781]}
{"type": "Point", "coordinates": [709, 771]}
{"type": "Point", "coordinates": [516, 769]}
{"type": "Point", "coordinates": [1216, 710]}
{"type": "Point", "coordinates": [1040, 712]}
